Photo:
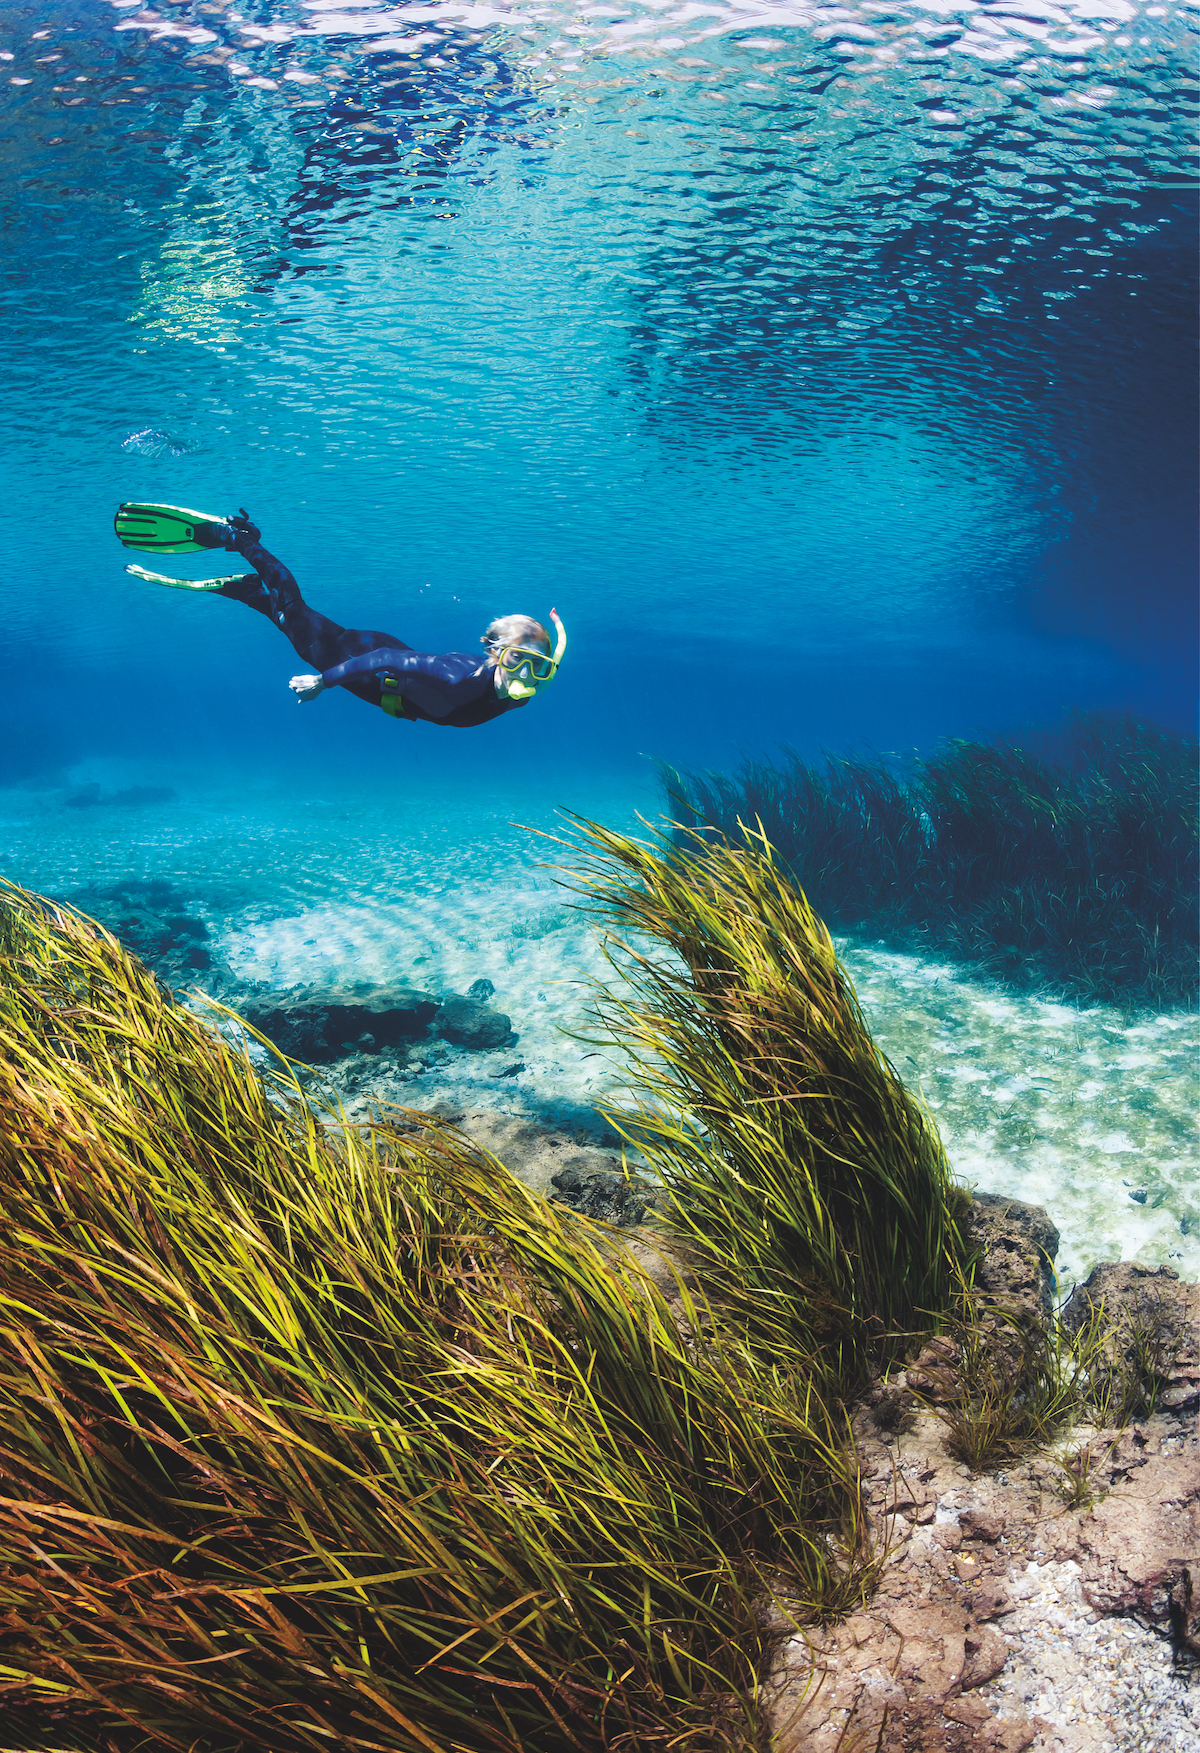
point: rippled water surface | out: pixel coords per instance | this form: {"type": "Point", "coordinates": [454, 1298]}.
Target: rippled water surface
{"type": "Point", "coordinates": [829, 367]}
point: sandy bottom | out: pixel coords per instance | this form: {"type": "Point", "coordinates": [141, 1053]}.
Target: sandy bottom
{"type": "Point", "coordinates": [1090, 1113]}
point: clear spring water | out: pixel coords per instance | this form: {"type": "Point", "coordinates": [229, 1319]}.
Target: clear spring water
{"type": "Point", "coordinates": [829, 368]}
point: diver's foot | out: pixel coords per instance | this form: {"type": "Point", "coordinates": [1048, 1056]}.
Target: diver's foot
{"type": "Point", "coordinates": [227, 533]}
{"type": "Point", "coordinates": [243, 529]}
{"type": "Point", "coordinates": [247, 589]}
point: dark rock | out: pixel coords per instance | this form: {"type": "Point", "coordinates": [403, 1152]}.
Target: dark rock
{"type": "Point", "coordinates": [894, 1409]}
{"type": "Point", "coordinates": [610, 1197]}
{"type": "Point", "coordinates": [183, 927]}
{"type": "Point", "coordinates": [151, 921]}
{"type": "Point", "coordinates": [321, 1028]}
{"type": "Point", "coordinates": [1016, 1244]}
{"type": "Point", "coordinates": [480, 991]}
{"type": "Point", "coordinates": [467, 1023]}
{"type": "Point", "coordinates": [1183, 1609]}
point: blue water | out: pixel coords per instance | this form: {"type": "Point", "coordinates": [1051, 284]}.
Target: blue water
{"type": "Point", "coordinates": [830, 369]}
{"type": "Point", "coordinates": [852, 408]}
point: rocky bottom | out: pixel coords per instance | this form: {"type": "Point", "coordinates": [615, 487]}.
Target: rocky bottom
{"type": "Point", "coordinates": [1052, 1602]}
{"type": "Point", "coordinates": [1004, 1620]}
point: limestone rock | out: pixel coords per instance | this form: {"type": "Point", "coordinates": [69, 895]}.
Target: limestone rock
{"type": "Point", "coordinates": [1154, 1344]}
{"type": "Point", "coordinates": [982, 1524]}
{"type": "Point", "coordinates": [897, 1676]}
{"type": "Point", "coordinates": [1017, 1244]}
{"type": "Point", "coordinates": [943, 1657]}
{"type": "Point", "coordinates": [561, 1167]}
{"type": "Point", "coordinates": [1141, 1543]}
{"type": "Point", "coordinates": [467, 1023]}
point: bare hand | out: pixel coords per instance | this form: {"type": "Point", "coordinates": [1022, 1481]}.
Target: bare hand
{"type": "Point", "coordinates": [306, 687]}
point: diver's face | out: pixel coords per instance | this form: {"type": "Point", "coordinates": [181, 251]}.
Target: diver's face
{"type": "Point", "coordinates": [521, 671]}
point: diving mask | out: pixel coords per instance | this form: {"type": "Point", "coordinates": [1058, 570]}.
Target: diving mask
{"type": "Point", "coordinates": [521, 670]}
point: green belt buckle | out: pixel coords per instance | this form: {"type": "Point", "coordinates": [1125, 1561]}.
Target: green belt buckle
{"type": "Point", "coordinates": [389, 695]}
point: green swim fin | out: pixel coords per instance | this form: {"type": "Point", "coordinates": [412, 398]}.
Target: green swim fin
{"type": "Point", "coordinates": [162, 529]}
{"type": "Point", "coordinates": [180, 583]}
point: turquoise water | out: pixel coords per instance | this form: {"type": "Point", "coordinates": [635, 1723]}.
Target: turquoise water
{"type": "Point", "coordinates": [829, 368]}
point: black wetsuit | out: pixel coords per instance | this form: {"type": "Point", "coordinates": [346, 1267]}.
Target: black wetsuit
{"type": "Point", "coordinates": [447, 688]}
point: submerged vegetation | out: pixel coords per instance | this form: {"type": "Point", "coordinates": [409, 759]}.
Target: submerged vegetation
{"type": "Point", "coordinates": [326, 1436]}
{"type": "Point", "coordinates": [1068, 863]}
{"type": "Point", "coordinates": [1005, 1380]}
{"type": "Point", "coordinates": [807, 1181]}
{"type": "Point", "coordinates": [320, 1436]}
{"type": "Point", "coordinates": [1015, 1383]}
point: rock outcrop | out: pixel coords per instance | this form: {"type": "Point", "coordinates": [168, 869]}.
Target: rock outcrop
{"type": "Point", "coordinates": [326, 1026]}
{"type": "Point", "coordinates": [996, 1587]}
{"type": "Point", "coordinates": [564, 1168]}
{"type": "Point", "coordinates": [1153, 1340]}
{"type": "Point", "coordinates": [465, 1022]}
{"type": "Point", "coordinates": [1016, 1244]}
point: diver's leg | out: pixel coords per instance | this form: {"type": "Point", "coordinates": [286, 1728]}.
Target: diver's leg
{"type": "Point", "coordinates": [272, 590]}
{"type": "Point", "coordinates": [314, 637]}
{"type": "Point", "coordinates": [322, 643]}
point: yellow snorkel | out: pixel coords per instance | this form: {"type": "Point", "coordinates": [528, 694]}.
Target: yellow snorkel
{"type": "Point", "coordinates": [529, 669]}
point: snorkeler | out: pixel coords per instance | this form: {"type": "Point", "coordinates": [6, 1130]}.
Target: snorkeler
{"type": "Point", "coordinates": [451, 688]}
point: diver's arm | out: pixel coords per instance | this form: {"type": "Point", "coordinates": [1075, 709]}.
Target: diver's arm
{"type": "Point", "coordinates": [438, 683]}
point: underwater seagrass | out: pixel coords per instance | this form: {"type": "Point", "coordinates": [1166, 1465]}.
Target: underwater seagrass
{"type": "Point", "coordinates": [1069, 862]}
{"type": "Point", "coordinates": [811, 1188]}
{"type": "Point", "coordinates": [319, 1436]}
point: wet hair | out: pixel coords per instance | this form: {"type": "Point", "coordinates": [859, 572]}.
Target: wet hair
{"type": "Point", "coordinates": [514, 630]}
